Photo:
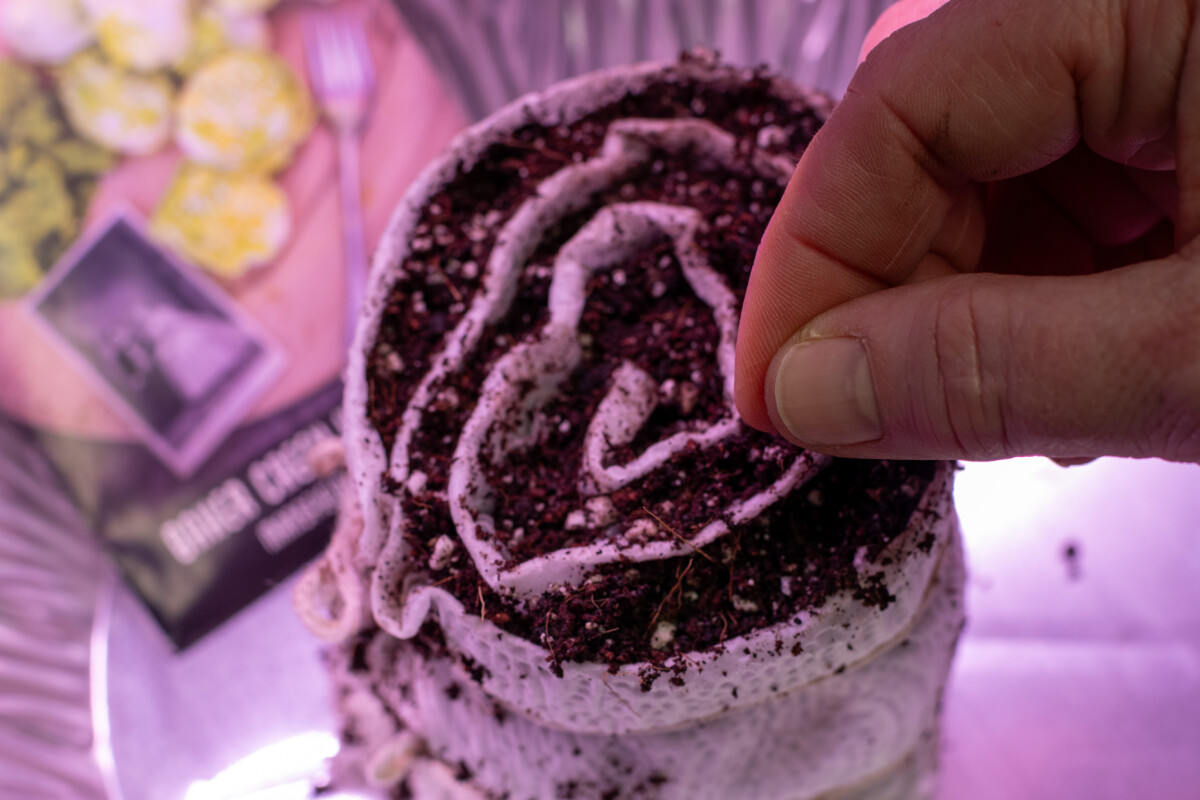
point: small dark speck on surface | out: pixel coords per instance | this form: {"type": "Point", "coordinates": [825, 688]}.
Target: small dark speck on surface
{"type": "Point", "coordinates": [1071, 555]}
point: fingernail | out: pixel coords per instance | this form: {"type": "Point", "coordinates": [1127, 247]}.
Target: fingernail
{"type": "Point", "coordinates": [824, 394]}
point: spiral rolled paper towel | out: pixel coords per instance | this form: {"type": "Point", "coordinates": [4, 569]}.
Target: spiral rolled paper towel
{"type": "Point", "coordinates": [568, 568]}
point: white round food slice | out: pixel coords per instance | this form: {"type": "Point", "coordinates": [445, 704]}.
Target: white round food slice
{"type": "Point", "coordinates": [125, 111]}
{"type": "Point", "coordinates": [216, 31]}
{"type": "Point", "coordinates": [44, 31]}
{"type": "Point", "coordinates": [140, 35]}
{"type": "Point", "coordinates": [245, 110]}
{"type": "Point", "coordinates": [227, 223]}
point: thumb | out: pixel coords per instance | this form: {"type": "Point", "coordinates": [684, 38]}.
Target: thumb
{"type": "Point", "coordinates": [988, 366]}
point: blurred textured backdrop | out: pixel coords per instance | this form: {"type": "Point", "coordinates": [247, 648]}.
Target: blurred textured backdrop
{"type": "Point", "coordinates": [51, 572]}
{"type": "Point", "coordinates": [491, 51]}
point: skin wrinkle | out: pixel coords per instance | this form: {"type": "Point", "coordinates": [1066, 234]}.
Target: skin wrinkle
{"type": "Point", "coordinates": [1162, 47]}
{"type": "Point", "coordinates": [795, 283]}
{"type": "Point", "coordinates": [991, 417]}
{"type": "Point", "coordinates": [1126, 105]}
{"type": "Point", "coordinates": [889, 268]}
{"type": "Point", "coordinates": [929, 156]}
{"type": "Point", "coordinates": [960, 375]}
{"type": "Point", "coordinates": [957, 238]}
{"type": "Point", "coordinates": [1004, 367]}
{"type": "Point", "coordinates": [1000, 121]}
{"type": "Point", "coordinates": [931, 164]}
{"type": "Point", "coordinates": [857, 178]}
{"type": "Point", "coordinates": [1083, 68]}
{"type": "Point", "coordinates": [961, 238]}
{"type": "Point", "coordinates": [1053, 149]}
{"type": "Point", "coordinates": [940, 360]}
{"type": "Point", "coordinates": [1037, 153]}
{"type": "Point", "coordinates": [804, 241]}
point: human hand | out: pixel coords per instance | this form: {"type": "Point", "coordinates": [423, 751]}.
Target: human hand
{"type": "Point", "coordinates": [989, 249]}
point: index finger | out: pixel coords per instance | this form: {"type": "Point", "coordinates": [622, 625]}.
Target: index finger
{"type": "Point", "coordinates": [977, 91]}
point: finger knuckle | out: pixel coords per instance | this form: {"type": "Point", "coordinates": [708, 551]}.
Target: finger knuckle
{"type": "Point", "coordinates": [970, 380]}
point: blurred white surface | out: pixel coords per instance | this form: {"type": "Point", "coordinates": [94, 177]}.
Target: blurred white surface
{"type": "Point", "coordinates": [1077, 678]}
{"type": "Point", "coordinates": [184, 726]}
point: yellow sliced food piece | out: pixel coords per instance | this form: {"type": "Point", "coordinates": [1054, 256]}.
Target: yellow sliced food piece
{"type": "Point", "coordinates": [244, 111]}
{"type": "Point", "coordinates": [225, 222]}
{"type": "Point", "coordinates": [215, 31]}
{"type": "Point", "coordinates": [143, 35]}
{"type": "Point", "coordinates": [123, 110]}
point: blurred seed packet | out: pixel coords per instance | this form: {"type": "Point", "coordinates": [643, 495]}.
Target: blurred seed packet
{"type": "Point", "coordinates": [202, 511]}
{"type": "Point", "coordinates": [163, 344]}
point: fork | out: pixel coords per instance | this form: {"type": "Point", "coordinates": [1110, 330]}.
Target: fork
{"type": "Point", "coordinates": [343, 80]}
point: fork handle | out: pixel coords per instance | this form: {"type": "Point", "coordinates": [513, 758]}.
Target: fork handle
{"type": "Point", "coordinates": [353, 237]}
